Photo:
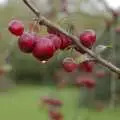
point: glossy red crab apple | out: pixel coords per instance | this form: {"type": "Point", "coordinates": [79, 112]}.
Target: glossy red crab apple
{"type": "Point", "coordinates": [88, 38]}
{"type": "Point", "coordinates": [16, 27]}
{"type": "Point", "coordinates": [66, 42]}
{"type": "Point", "coordinates": [56, 40]}
{"type": "Point", "coordinates": [26, 42]}
{"type": "Point", "coordinates": [69, 65]}
{"type": "Point", "coordinates": [44, 49]}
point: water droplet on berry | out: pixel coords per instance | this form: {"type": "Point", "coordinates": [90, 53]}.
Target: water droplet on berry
{"type": "Point", "coordinates": [44, 62]}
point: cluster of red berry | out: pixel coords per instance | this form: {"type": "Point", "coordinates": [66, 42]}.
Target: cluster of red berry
{"type": "Point", "coordinates": [69, 65]}
{"type": "Point", "coordinates": [88, 39]}
{"type": "Point", "coordinates": [86, 67]}
{"type": "Point", "coordinates": [44, 47]}
{"type": "Point", "coordinates": [54, 108]}
{"type": "Point", "coordinates": [86, 80]}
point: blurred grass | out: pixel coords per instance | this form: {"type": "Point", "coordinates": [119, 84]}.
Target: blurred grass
{"type": "Point", "coordinates": [22, 104]}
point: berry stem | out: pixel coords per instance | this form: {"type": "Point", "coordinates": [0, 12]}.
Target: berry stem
{"type": "Point", "coordinates": [49, 24]}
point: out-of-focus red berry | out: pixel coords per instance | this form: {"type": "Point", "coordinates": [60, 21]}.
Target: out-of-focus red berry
{"type": "Point", "coordinates": [44, 49]}
{"type": "Point", "coordinates": [88, 38]}
{"type": "Point", "coordinates": [86, 66]}
{"type": "Point", "coordinates": [26, 42]}
{"type": "Point", "coordinates": [69, 65]}
{"type": "Point", "coordinates": [16, 27]}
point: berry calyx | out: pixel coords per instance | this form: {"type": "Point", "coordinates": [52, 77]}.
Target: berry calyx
{"type": "Point", "coordinates": [44, 49]}
{"type": "Point", "coordinates": [26, 42]}
{"type": "Point", "coordinates": [69, 65]}
{"type": "Point", "coordinates": [88, 38]}
{"type": "Point", "coordinates": [16, 27]}
{"type": "Point", "coordinates": [33, 27]}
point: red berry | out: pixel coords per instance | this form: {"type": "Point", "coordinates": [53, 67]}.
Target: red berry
{"type": "Point", "coordinates": [52, 101]}
{"type": "Point", "coordinates": [26, 42]}
{"type": "Point", "coordinates": [56, 40]}
{"type": "Point", "coordinates": [88, 38]}
{"type": "Point", "coordinates": [90, 83]}
{"type": "Point", "coordinates": [36, 37]}
{"type": "Point", "coordinates": [100, 73]}
{"type": "Point", "coordinates": [69, 65]}
{"type": "Point", "coordinates": [66, 42]}
{"type": "Point", "coordinates": [44, 49]}
{"type": "Point", "coordinates": [86, 66]}
{"type": "Point", "coordinates": [87, 82]}
{"type": "Point", "coordinates": [55, 115]}
{"type": "Point", "coordinates": [56, 102]}
{"type": "Point", "coordinates": [16, 27]}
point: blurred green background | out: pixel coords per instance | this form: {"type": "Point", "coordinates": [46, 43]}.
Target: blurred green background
{"type": "Point", "coordinates": [22, 87]}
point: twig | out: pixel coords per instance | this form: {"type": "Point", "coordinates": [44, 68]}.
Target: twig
{"type": "Point", "coordinates": [49, 24]}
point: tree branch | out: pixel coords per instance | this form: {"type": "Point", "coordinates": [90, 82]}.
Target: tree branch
{"type": "Point", "coordinates": [49, 24]}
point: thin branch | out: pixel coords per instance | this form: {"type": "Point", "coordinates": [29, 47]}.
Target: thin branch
{"type": "Point", "coordinates": [49, 24]}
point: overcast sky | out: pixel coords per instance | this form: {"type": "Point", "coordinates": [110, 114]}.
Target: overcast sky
{"type": "Point", "coordinates": [112, 3]}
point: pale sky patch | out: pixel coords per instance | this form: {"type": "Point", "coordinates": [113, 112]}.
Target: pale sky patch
{"type": "Point", "coordinates": [114, 3]}
{"type": "Point", "coordinates": [3, 3]}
